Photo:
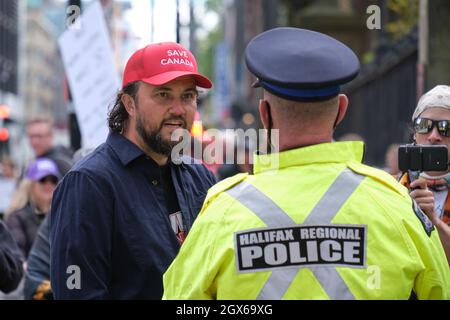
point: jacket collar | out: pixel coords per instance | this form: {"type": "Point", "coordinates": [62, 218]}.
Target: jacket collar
{"type": "Point", "coordinates": [126, 150]}
{"type": "Point", "coordinates": [319, 153]}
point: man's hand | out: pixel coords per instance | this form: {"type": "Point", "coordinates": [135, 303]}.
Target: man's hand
{"type": "Point", "coordinates": [424, 198]}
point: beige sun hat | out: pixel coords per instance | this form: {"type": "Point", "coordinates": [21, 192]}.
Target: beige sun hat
{"type": "Point", "coordinates": [438, 97]}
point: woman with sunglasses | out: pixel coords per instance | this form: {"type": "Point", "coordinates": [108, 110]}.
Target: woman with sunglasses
{"type": "Point", "coordinates": [431, 124]}
{"type": "Point", "coordinates": [31, 202]}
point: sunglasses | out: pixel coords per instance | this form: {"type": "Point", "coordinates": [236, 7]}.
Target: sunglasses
{"type": "Point", "coordinates": [424, 125]}
{"type": "Point", "coordinates": [52, 179]}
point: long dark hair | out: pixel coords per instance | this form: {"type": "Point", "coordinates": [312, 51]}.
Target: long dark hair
{"type": "Point", "coordinates": [118, 115]}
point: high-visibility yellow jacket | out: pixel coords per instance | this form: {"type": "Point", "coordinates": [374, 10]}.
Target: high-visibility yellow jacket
{"type": "Point", "coordinates": [311, 223]}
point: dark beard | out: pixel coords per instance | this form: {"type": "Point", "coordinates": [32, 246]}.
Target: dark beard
{"type": "Point", "coordinates": [153, 139]}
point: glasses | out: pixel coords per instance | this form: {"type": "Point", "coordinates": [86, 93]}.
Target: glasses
{"type": "Point", "coordinates": [50, 179]}
{"type": "Point", "coordinates": [424, 125]}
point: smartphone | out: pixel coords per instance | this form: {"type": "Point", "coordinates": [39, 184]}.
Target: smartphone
{"type": "Point", "coordinates": [422, 158]}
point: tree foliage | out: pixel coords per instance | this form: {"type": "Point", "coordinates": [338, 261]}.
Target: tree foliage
{"type": "Point", "coordinates": [206, 47]}
{"type": "Point", "coordinates": [403, 15]}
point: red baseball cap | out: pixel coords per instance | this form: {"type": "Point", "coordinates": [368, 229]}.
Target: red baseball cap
{"type": "Point", "coordinates": [159, 63]}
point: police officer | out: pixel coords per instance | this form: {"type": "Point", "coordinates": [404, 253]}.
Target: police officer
{"type": "Point", "coordinates": [320, 224]}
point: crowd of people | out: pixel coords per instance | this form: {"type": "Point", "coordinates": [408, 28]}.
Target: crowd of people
{"type": "Point", "coordinates": [30, 202]}
{"type": "Point", "coordinates": [306, 221]}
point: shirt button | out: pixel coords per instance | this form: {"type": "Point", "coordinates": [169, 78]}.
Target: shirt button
{"type": "Point", "coordinates": [154, 182]}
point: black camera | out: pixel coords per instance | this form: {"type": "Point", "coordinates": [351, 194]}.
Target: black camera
{"type": "Point", "coordinates": [416, 157]}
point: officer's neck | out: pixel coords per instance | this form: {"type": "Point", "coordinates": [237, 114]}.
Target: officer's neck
{"type": "Point", "coordinates": [293, 142]}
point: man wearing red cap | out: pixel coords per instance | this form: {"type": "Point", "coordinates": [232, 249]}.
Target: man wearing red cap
{"type": "Point", "coordinates": [121, 214]}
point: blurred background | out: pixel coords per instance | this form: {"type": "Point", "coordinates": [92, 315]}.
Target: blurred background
{"type": "Point", "coordinates": [403, 57]}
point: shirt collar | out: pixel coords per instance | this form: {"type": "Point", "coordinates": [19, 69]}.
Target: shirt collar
{"type": "Point", "coordinates": [319, 153]}
{"type": "Point", "coordinates": [126, 150]}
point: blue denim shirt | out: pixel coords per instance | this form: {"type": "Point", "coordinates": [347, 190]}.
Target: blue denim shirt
{"type": "Point", "coordinates": [110, 236]}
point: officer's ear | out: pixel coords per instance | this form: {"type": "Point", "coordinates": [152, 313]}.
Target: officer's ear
{"type": "Point", "coordinates": [342, 109]}
{"type": "Point", "coordinates": [264, 113]}
{"type": "Point", "coordinates": [129, 104]}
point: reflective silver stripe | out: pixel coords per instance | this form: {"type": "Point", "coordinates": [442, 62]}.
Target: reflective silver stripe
{"type": "Point", "coordinates": [277, 284]}
{"type": "Point", "coordinates": [332, 283]}
{"type": "Point", "coordinates": [324, 211]}
{"type": "Point", "coordinates": [279, 281]}
{"type": "Point", "coordinates": [334, 198]}
{"type": "Point", "coordinates": [267, 210]}
{"type": "Point", "coordinates": [328, 206]}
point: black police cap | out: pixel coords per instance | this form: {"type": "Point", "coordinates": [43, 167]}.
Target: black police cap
{"type": "Point", "coordinates": [299, 64]}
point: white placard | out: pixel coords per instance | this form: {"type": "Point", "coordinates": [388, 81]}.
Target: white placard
{"type": "Point", "coordinates": [88, 61]}
{"type": "Point", "coordinates": [7, 188]}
